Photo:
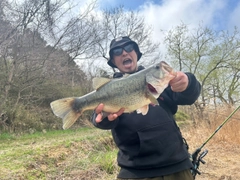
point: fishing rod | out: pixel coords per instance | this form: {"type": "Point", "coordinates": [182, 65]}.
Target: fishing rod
{"type": "Point", "coordinates": [197, 159]}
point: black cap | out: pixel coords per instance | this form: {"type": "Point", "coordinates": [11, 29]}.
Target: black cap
{"type": "Point", "coordinates": [118, 42]}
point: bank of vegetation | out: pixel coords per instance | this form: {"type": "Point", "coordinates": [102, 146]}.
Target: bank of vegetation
{"type": "Point", "coordinates": [90, 153]}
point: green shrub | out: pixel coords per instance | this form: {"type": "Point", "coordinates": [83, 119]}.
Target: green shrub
{"type": "Point", "coordinates": [181, 116]}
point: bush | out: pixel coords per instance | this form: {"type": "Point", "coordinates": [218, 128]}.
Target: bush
{"type": "Point", "coordinates": [25, 120]}
{"type": "Point", "coordinates": [181, 116]}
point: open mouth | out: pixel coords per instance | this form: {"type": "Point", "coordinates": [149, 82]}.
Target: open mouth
{"type": "Point", "coordinates": [151, 89]}
{"type": "Point", "coordinates": [127, 62]}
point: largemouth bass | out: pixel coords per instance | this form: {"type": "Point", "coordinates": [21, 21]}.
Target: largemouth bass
{"type": "Point", "coordinates": [131, 92]}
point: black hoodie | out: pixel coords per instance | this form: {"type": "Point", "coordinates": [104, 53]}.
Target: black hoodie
{"type": "Point", "coordinates": [152, 145]}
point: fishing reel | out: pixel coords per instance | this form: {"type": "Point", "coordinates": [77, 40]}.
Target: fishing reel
{"type": "Point", "coordinates": [196, 160]}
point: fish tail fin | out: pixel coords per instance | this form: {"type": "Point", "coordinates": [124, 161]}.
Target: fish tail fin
{"type": "Point", "coordinates": [63, 108]}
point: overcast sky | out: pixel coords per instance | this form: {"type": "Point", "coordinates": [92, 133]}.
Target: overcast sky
{"type": "Point", "coordinates": [166, 14]}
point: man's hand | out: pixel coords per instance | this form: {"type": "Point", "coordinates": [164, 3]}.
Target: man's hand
{"type": "Point", "coordinates": [180, 82]}
{"type": "Point", "coordinates": [111, 116]}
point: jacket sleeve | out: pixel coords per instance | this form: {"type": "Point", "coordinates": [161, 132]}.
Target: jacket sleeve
{"type": "Point", "coordinates": [170, 100]}
{"type": "Point", "coordinates": [190, 95]}
{"type": "Point", "coordinates": [105, 123]}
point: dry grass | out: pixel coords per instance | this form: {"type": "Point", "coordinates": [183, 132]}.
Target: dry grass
{"type": "Point", "coordinates": [223, 158]}
{"type": "Point", "coordinates": [89, 154]}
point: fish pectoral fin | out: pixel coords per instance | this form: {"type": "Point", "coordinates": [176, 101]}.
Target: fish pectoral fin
{"type": "Point", "coordinates": [98, 82]}
{"type": "Point", "coordinates": [63, 109]}
{"type": "Point", "coordinates": [143, 110]}
{"type": "Point", "coordinates": [153, 100]}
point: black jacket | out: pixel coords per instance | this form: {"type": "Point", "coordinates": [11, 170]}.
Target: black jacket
{"type": "Point", "coordinates": [152, 145]}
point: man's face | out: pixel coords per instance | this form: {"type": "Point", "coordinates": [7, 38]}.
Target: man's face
{"type": "Point", "coordinates": [125, 58]}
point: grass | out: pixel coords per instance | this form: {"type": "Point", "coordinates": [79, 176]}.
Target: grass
{"type": "Point", "coordinates": [90, 154]}
{"type": "Point", "coordinates": [55, 154]}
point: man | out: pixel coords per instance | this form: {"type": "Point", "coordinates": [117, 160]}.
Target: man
{"type": "Point", "coordinates": [151, 145]}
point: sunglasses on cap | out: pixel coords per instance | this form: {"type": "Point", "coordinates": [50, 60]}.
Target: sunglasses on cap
{"type": "Point", "coordinates": [118, 51]}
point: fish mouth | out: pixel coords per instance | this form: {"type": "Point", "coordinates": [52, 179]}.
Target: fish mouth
{"type": "Point", "coordinates": [151, 89]}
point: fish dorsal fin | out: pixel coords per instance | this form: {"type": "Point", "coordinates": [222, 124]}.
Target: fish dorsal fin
{"type": "Point", "coordinates": [98, 82]}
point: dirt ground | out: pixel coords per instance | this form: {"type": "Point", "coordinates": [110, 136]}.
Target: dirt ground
{"type": "Point", "coordinates": [222, 163]}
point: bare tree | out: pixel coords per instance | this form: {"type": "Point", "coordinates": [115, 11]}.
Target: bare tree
{"type": "Point", "coordinates": [29, 64]}
{"type": "Point", "coordinates": [116, 22]}
{"type": "Point", "coordinates": [40, 42]}
{"type": "Point", "coordinates": [212, 56]}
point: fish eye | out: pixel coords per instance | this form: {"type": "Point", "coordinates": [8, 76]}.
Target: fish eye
{"type": "Point", "coordinates": [157, 67]}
